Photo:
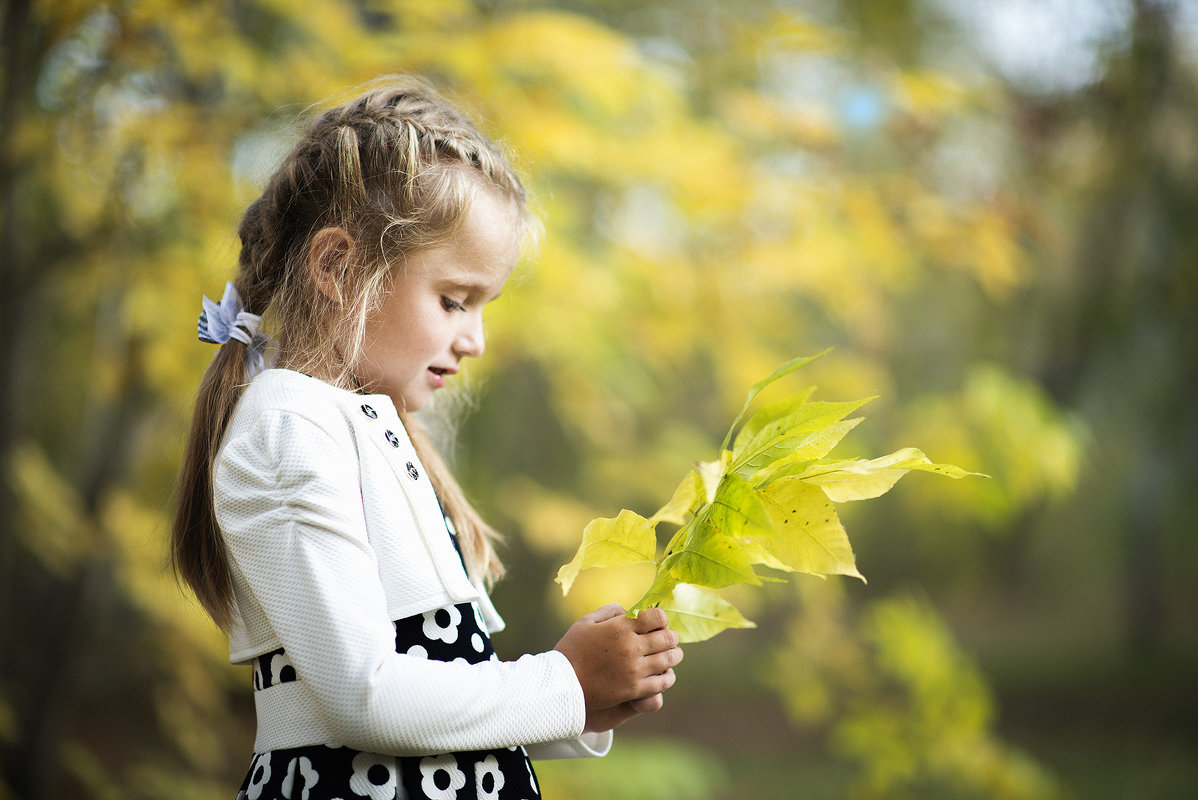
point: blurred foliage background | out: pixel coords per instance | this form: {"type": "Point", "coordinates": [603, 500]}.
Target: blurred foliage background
{"type": "Point", "coordinates": [987, 209]}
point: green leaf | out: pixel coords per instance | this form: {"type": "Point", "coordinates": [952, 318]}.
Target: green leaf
{"type": "Point", "coordinates": [737, 512]}
{"type": "Point", "coordinates": [805, 451]}
{"type": "Point", "coordinates": [715, 549]}
{"type": "Point", "coordinates": [710, 559]}
{"type": "Point", "coordinates": [606, 542]}
{"type": "Point", "coordinates": [764, 416]}
{"type": "Point", "coordinates": [809, 535]}
{"type": "Point", "coordinates": [780, 372]}
{"type": "Point", "coordinates": [805, 433]}
{"type": "Point", "coordinates": [844, 481]}
{"type": "Point", "coordinates": [715, 562]}
{"type": "Point", "coordinates": [797, 412]}
{"type": "Point", "coordinates": [697, 615]}
{"type": "Point", "coordinates": [662, 587]}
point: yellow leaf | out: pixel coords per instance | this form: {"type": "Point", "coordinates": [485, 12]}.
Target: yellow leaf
{"type": "Point", "coordinates": [711, 473]}
{"type": "Point", "coordinates": [802, 432]}
{"type": "Point", "coordinates": [810, 537]}
{"type": "Point", "coordinates": [696, 615]}
{"type": "Point", "coordinates": [685, 500]}
{"type": "Point", "coordinates": [629, 538]}
{"type": "Point", "coordinates": [844, 481]}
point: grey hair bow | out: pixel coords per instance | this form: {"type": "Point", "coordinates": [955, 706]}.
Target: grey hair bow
{"type": "Point", "coordinates": [225, 320]}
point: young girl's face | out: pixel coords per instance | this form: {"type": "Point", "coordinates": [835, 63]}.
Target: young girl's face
{"type": "Point", "coordinates": [432, 318]}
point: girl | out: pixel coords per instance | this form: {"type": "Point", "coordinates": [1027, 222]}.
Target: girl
{"type": "Point", "coordinates": [318, 527]}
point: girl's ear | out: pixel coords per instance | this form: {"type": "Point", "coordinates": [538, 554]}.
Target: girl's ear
{"type": "Point", "coordinates": [329, 260]}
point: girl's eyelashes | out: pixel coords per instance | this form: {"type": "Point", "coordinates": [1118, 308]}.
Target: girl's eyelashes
{"type": "Point", "coordinates": [450, 304]}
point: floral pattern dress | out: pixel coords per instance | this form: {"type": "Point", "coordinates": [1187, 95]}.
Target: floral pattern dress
{"type": "Point", "coordinates": [319, 772]}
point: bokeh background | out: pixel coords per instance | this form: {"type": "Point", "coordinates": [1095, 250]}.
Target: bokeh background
{"type": "Point", "coordinates": [988, 210]}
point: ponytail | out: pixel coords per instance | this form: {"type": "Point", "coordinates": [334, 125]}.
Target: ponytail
{"type": "Point", "coordinates": [197, 549]}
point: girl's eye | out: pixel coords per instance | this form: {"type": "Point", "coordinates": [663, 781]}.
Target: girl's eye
{"type": "Point", "coordinates": [451, 305]}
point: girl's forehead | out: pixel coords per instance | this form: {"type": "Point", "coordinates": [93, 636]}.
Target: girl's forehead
{"type": "Point", "coordinates": [493, 221]}
{"type": "Point", "coordinates": [490, 237]}
{"type": "Point", "coordinates": [462, 266]}
{"type": "Point", "coordinates": [481, 254]}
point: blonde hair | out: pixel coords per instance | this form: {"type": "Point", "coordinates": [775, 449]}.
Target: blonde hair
{"type": "Point", "coordinates": [396, 169]}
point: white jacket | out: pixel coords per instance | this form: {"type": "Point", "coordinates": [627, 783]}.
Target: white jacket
{"type": "Point", "coordinates": [333, 531]}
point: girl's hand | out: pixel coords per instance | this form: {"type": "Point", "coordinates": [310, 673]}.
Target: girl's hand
{"type": "Point", "coordinates": [622, 664]}
{"type": "Point", "coordinates": [606, 719]}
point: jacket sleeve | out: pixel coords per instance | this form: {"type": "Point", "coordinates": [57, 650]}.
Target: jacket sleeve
{"type": "Point", "coordinates": [289, 504]}
{"type": "Point", "coordinates": [588, 745]}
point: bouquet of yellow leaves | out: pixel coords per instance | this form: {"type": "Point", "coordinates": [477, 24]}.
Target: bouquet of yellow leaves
{"type": "Point", "coordinates": [768, 500]}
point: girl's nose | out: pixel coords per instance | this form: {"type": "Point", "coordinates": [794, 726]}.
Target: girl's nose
{"type": "Point", "coordinates": [471, 340]}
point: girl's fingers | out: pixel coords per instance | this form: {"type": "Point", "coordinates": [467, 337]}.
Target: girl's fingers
{"type": "Point", "coordinates": [605, 613]}
{"type": "Point", "coordinates": [647, 705]}
{"type": "Point", "coordinates": [656, 684]}
{"type": "Point", "coordinates": [658, 641]}
{"type": "Point", "coordinates": [650, 619]}
{"type": "Point", "coordinates": [665, 661]}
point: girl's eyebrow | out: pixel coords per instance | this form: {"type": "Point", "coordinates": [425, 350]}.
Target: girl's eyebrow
{"type": "Point", "coordinates": [472, 287]}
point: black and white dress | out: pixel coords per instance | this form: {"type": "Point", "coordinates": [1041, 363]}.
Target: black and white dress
{"type": "Point", "coordinates": [319, 772]}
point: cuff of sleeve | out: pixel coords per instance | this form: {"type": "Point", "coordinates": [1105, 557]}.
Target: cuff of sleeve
{"type": "Point", "coordinates": [588, 745]}
{"type": "Point", "coordinates": [584, 745]}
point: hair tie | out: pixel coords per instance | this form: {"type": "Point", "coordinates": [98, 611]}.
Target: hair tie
{"type": "Point", "coordinates": [220, 322]}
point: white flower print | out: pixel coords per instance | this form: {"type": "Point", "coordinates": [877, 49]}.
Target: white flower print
{"type": "Point", "coordinates": [259, 775]}
{"type": "Point", "coordinates": [478, 616]}
{"type": "Point", "coordinates": [374, 776]}
{"type": "Point", "coordinates": [280, 665]}
{"type": "Point", "coordinates": [303, 766]}
{"type": "Point", "coordinates": [417, 651]}
{"type": "Point", "coordinates": [445, 633]}
{"type": "Point", "coordinates": [488, 778]}
{"type": "Point", "coordinates": [476, 642]}
{"type": "Point", "coordinates": [433, 766]}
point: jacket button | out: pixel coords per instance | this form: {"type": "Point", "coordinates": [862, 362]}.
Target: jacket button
{"type": "Point", "coordinates": [413, 473]}
{"type": "Point", "coordinates": [370, 412]}
{"type": "Point", "coordinates": [391, 438]}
